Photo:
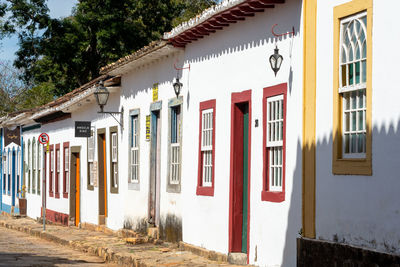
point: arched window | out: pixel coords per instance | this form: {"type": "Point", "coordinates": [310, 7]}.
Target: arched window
{"type": "Point", "coordinates": [352, 85]}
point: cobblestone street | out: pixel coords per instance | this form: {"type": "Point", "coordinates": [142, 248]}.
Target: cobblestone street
{"type": "Point", "coordinates": [20, 249]}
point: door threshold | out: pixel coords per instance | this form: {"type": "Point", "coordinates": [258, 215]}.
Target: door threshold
{"type": "Point", "coordinates": [238, 258]}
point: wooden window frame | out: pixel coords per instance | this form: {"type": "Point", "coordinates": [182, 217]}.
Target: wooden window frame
{"type": "Point", "coordinates": [174, 187]}
{"type": "Point", "coordinates": [65, 170]}
{"type": "Point", "coordinates": [89, 185]}
{"type": "Point", "coordinates": [342, 165]}
{"type": "Point", "coordinates": [51, 170]}
{"type": "Point", "coordinates": [4, 174]}
{"type": "Point", "coordinates": [9, 172]}
{"type": "Point", "coordinates": [29, 166]}
{"type": "Point", "coordinates": [57, 170]}
{"type": "Point", "coordinates": [206, 190]}
{"type": "Point", "coordinates": [134, 184]}
{"type": "Point", "coordinates": [34, 165]}
{"type": "Point", "coordinates": [113, 189]}
{"type": "Point", "coordinates": [266, 193]}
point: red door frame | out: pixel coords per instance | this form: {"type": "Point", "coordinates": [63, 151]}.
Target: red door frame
{"type": "Point", "coordinates": [237, 98]}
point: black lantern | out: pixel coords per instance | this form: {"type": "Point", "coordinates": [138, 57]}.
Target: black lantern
{"type": "Point", "coordinates": [177, 87]}
{"type": "Point", "coordinates": [276, 60]}
{"type": "Point", "coordinates": [101, 95]}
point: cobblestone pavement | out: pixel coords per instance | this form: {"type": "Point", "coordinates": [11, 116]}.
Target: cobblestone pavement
{"type": "Point", "coordinates": [109, 247]}
{"type": "Point", "coordinates": [20, 249]}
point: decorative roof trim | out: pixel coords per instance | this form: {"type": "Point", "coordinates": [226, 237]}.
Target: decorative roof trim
{"type": "Point", "coordinates": [152, 47]}
{"type": "Point", "coordinates": [205, 15]}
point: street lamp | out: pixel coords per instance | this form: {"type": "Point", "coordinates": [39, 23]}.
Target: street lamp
{"type": "Point", "coordinates": [276, 60]}
{"type": "Point", "coordinates": [177, 87]}
{"type": "Point", "coordinates": [101, 93]}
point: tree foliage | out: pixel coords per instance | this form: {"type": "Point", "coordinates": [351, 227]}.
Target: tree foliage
{"type": "Point", "coordinates": [58, 55]}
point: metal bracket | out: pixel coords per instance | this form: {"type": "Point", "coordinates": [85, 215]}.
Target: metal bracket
{"type": "Point", "coordinates": [121, 123]}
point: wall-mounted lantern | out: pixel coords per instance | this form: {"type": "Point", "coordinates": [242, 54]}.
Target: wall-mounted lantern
{"type": "Point", "coordinates": [177, 87]}
{"type": "Point", "coordinates": [101, 93]}
{"type": "Point", "coordinates": [276, 60]}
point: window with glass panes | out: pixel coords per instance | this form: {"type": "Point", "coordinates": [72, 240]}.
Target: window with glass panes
{"type": "Point", "coordinates": [274, 143]}
{"type": "Point", "coordinates": [134, 156]}
{"type": "Point", "coordinates": [207, 146]}
{"type": "Point", "coordinates": [90, 157]}
{"type": "Point", "coordinates": [39, 166]}
{"type": "Point", "coordinates": [57, 170]}
{"type": "Point", "coordinates": [34, 166]}
{"type": "Point", "coordinates": [4, 171]}
{"type": "Point", "coordinates": [9, 173]}
{"type": "Point", "coordinates": [175, 159]}
{"type": "Point", "coordinates": [114, 159]}
{"type": "Point", "coordinates": [352, 87]}
{"type": "Point", "coordinates": [51, 159]}
{"type": "Point", "coordinates": [206, 156]}
{"type": "Point", "coordinates": [66, 170]}
{"type": "Point", "coordinates": [29, 166]}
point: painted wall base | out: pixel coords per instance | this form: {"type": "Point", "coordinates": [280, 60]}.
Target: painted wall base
{"type": "Point", "coordinates": [57, 217]}
{"type": "Point", "coordinates": [9, 209]}
{"type": "Point", "coordinates": [311, 252]}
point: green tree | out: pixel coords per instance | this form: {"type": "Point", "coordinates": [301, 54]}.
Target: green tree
{"type": "Point", "coordinates": [58, 55]}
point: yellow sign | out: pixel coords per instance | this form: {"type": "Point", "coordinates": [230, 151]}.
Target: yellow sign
{"type": "Point", "coordinates": [47, 147]}
{"type": "Point", "coordinates": [147, 127]}
{"type": "Point", "coordinates": [155, 92]}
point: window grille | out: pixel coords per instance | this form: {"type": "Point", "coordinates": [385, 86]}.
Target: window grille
{"type": "Point", "coordinates": [135, 149]}
{"type": "Point", "coordinates": [34, 166]}
{"type": "Point", "coordinates": [175, 146]}
{"type": "Point", "coordinates": [275, 142]}
{"type": "Point", "coordinates": [91, 159]}
{"type": "Point", "coordinates": [114, 158]}
{"type": "Point", "coordinates": [66, 170]}
{"type": "Point", "coordinates": [39, 166]}
{"type": "Point", "coordinates": [352, 88]}
{"type": "Point", "coordinates": [207, 146]}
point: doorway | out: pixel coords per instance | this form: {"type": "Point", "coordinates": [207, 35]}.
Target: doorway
{"type": "Point", "coordinates": [155, 150]}
{"type": "Point", "coordinates": [75, 186]}
{"type": "Point", "coordinates": [239, 205]}
{"type": "Point", "coordinates": [102, 169]}
{"type": "Point", "coordinates": [13, 177]}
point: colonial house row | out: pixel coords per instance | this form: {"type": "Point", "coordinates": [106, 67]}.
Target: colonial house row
{"type": "Point", "coordinates": [206, 139]}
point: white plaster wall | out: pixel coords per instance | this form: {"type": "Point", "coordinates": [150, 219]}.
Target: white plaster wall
{"type": "Point", "coordinates": [233, 60]}
{"type": "Point", "coordinates": [136, 93]}
{"type": "Point", "coordinates": [64, 131]}
{"type": "Point", "coordinates": [361, 210]}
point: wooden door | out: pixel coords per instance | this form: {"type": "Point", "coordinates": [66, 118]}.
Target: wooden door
{"type": "Point", "coordinates": [102, 183]}
{"type": "Point", "coordinates": [75, 186]}
{"type": "Point", "coordinates": [240, 173]}
{"type": "Point", "coordinates": [154, 185]}
{"type": "Point", "coordinates": [78, 190]}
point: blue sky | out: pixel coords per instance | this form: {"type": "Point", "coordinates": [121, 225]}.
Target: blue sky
{"type": "Point", "coordinates": [58, 8]}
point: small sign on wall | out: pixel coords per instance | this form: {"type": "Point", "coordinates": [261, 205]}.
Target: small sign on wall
{"type": "Point", "coordinates": [148, 128]}
{"type": "Point", "coordinates": [82, 129]}
{"type": "Point", "coordinates": [155, 92]}
{"type": "Point", "coordinates": [95, 174]}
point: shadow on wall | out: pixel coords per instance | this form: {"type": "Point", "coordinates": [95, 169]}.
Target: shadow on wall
{"type": "Point", "coordinates": [360, 211]}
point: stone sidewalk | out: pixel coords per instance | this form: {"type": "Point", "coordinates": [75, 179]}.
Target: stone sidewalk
{"type": "Point", "coordinates": [109, 246]}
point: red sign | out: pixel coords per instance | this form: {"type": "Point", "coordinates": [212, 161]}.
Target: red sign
{"type": "Point", "coordinates": [44, 138]}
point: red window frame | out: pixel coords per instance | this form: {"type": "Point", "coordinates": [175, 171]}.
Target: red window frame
{"type": "Point", "coordinates": [65, 192]}
{"type": "Point", "coordinates": [57, 189]}
{"type": "Point", "coordinates": [51, 193]}
{"type": "Point", "coordinates": [266, 195]}
{"type": "Point", "coordinates": [206, 190]}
